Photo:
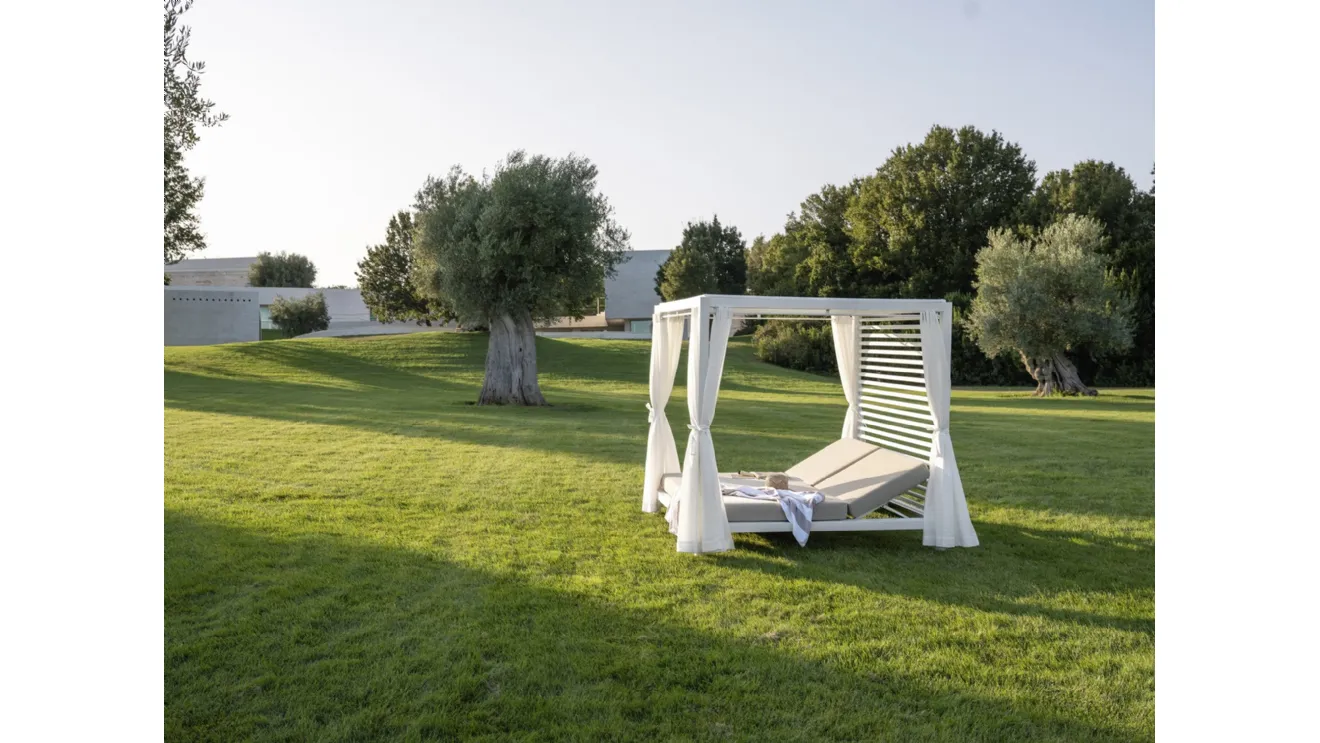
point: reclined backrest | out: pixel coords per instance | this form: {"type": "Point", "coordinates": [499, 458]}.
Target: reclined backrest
{"type": "Point", "coordinates": [830, 460]}
{"type": "Point", "coordinates": [874, 480]}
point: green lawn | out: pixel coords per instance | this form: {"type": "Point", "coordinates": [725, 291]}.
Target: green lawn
{"type": "Point", "coordinates": [353, 552]}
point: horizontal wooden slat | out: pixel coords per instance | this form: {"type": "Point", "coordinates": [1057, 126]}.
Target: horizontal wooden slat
{"type": "Point", "coordinates": [881, 402]}
{"type": "Point", "coordinates": [889, 436]}
{"type": "Point", "coordinates": [911, 370]}
{"type": "Point", "coordinates": [878, 380]}
{"type": "Point", "coordinates": [889, 352]}
{"type": "Point", "coordinates": [926, 432]}
{"type": "Point", "coordinates": [898, 373]}
{"type": "Point", "coordinates": [874, 389]}
{"type": "Point", "coordinates": [870, 356]}
{"type": "Point", "coordinates": [896, 445]}
{"type": "Point", "coordinates": [920, 438]}
{"type": "Point", "coordinates": [919, 382]}
{"type": "Point", "coordinates": [888, 406]}
{"type": "Point", "coordinates": [889, 420]}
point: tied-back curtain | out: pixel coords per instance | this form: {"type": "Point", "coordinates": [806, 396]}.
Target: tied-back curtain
{"type": "Point", "coordinates": [661, 451]}
{"type": "Point", "coordinates": [947, 522]}
{"type": "Point", "coordinates": [697, 515]}
{"type": "Point", "coordinates": [847, 331]}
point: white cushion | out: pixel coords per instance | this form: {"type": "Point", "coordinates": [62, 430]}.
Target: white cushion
{"type": "Point", "coordinates": [874, 480]}
{"type": "Point", "coordinates": [830, 460]}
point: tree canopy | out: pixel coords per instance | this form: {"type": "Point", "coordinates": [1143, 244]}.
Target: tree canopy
{"type": "Point", "coordinates": [710, 247]}
{"type": "Point", "coordinates": [298, 316]}
{"type": "Point", "coordinates": [1045, 296]}
{"type": "Point", "coordinates": [185, 112]}
{"type": "Point", "coordinates": [919, 220]}
{"type": "Point", "coordinates": [1105, 192]}
{"type": "Point", "coordinates": [386, 278]}
{"type": "Point", "coordinates": [914, 227]}
{"type": "Point", "coordinates": [686, 273]}
{"type": "Point", "coordinates": [529, 243]}
{"type": "Point", "coordinates": [772, 266]}
{"type": "Point", "coordinates": [282, 269]}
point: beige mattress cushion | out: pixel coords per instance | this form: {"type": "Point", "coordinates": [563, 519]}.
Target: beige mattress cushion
{"type": "Point", "coordinates": [669, 483]}
{"type": "Point", "coordinates": [874, 480]}
{"type": "Point", "coordinates": [830, 460]}
{"type": "Point", "coordinates": [738, 508]}
{"type": "Point", "coordinates": [754, 509]}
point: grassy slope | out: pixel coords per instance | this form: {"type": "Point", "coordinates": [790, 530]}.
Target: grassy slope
{"type": "Point", "coordinates": [354, 553]}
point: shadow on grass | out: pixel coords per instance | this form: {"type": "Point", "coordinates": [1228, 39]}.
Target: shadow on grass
{"type": "Point", "coordinates": [321, 637]}
{"type": "Point", "coordinates": [325, 359]}
{"type": "Point", "coordinates": [1014, 571]}
{"type": "Point", "coordinates": [391, 401]}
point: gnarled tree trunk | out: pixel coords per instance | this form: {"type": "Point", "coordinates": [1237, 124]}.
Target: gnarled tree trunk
{"type": "Point", "coordinates": [511, 363]}
{"type": "Point", "coordinates": [1055, 373]}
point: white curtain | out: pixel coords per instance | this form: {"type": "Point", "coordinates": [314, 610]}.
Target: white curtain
{"type": "Point", "coordinates": [947, 523]}
{"type": "Point", "coordinates": [697, 515]}
{"type": "Point", "coordinates": [847, 344]}
{"type": "Point", "coordinates": [661, 451]}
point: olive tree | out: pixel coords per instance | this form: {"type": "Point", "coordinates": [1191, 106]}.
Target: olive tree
{"type": "Point", "coordinates": [299, 316]}
{"type": "Point", "coordinates": [1044, 297]}
{"type": "Point", "coordinates": [531, 242]}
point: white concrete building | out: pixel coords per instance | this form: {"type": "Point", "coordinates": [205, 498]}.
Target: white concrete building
{"type": "Point", "coordinates": [203, 317]}
{"type": "Point", "coordinates": [231, 272]}
{"type": "Point", "coordinates": [629, 300]}
{"type": "Point", "coordinates": [630, 296]}
{"type": "Point", "coordinates": [344, 305]}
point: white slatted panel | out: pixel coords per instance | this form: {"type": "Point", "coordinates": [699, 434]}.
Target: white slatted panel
{"type": "Point", "coordinates": [895, 411]}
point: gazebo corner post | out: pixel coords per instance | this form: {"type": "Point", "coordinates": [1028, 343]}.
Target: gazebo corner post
{"type": "Point", "coordinates": [661, 449]}
{"type": "Point", "coordinates": [946, 521]}
{"type": "Point", "coordinates": [686, 506]}
{"type": "Point", "coordinates": [697, 518]}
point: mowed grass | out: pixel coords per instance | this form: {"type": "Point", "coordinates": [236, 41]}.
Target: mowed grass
{"type": "Point", "coordinates": [354, 552]}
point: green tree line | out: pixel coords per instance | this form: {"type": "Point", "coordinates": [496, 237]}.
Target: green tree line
{"type": "Point", "coordinates": [914, 229]}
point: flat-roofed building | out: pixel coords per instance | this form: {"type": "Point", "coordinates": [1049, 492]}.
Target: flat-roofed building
{"type": "Point", "coordinates": [210, 271]}
{"type": "Point", "coordinates": [630, 295]}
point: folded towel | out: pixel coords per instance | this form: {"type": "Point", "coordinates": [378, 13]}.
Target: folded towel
{"type": "Point", "coordinates": [797, 505]}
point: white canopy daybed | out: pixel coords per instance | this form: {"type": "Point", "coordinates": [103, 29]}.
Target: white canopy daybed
{"type": "Point", "coordinates": [893, 466]}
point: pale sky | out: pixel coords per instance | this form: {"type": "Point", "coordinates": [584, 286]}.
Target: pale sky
{"type": "Point", "coordinates": [339, 110]}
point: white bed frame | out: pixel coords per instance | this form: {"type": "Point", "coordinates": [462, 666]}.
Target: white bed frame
{"type": "Point", "coordinates": [893, 407]}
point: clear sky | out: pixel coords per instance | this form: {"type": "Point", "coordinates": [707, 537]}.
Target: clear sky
{"type": "Point", "coordinates": [339, 110]}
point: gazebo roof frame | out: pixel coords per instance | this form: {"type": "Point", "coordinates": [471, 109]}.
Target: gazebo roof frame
{"type": "Point", "coordinates": [823, 307]}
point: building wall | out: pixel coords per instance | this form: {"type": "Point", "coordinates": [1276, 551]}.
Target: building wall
{"type": "Point", "coordinates": [344, 305]}
{"type": "Point", "coordinates": [210, 271]}
{"type": "Point", "coordinates": [203, 317]}
{"type": "Point", "coordinates": [630, 295]}
{"type": "Point", "coordinates": [235, 277]}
